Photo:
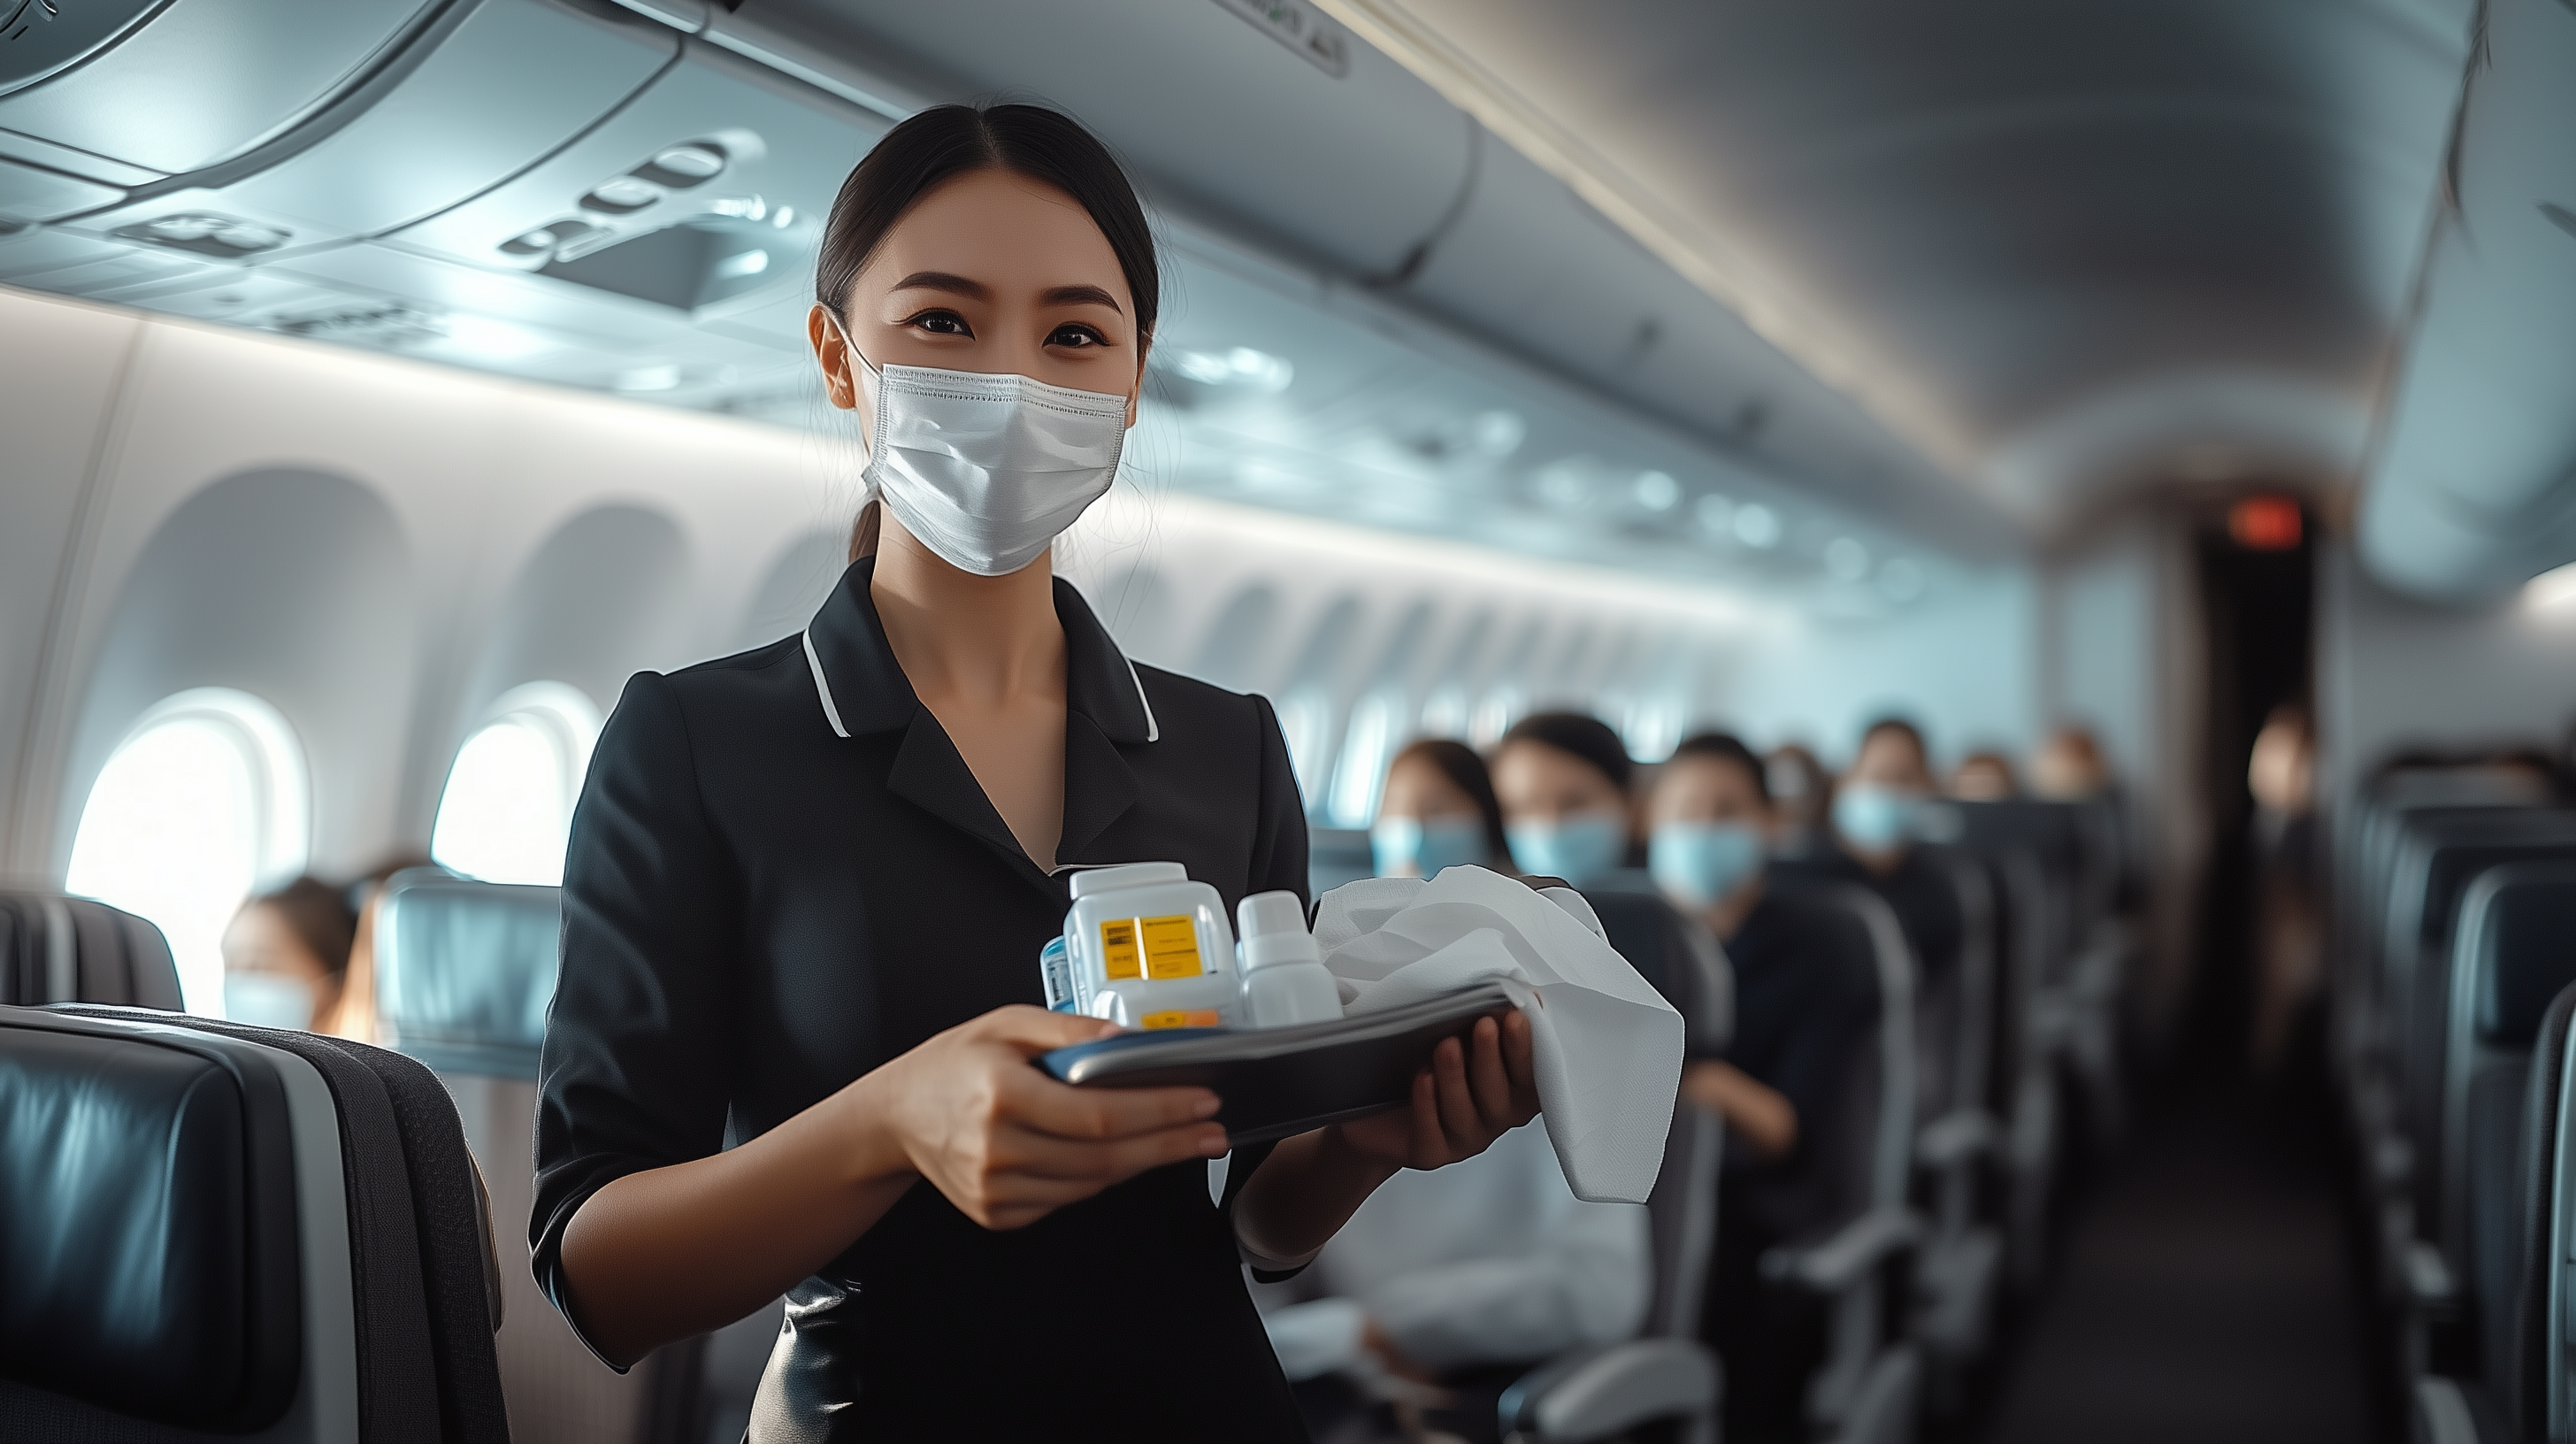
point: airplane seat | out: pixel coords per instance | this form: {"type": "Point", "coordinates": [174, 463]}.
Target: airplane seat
{"type": "Point", "coordinates": [2435, 867]}
{"type": "Point", "coordinates": [1869, 1386]}
{"type": "Point", "coordinates": [1665, 1373]}
{"type": "Point", "coordinates": [2511, 963]}
{"type": "Point", "coordinates": [2545, 1378]}
{"type": "Point", "coordinates": [2022, 1087]}
{"type": "Point", "coordinates": [266, 1235]}
{"type": "Point", "coordinates": [55, 948]}
{"type": "Point", "coordinates": [1959, 1269]}
{"type": "Point", "coordinates": [465, 973]}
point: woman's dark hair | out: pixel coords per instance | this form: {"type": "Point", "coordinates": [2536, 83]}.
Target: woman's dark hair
{"type": "Point", "coordinates": [1728, 748]}
{"type": "Point", "coordinates": [948, 141]}
{"type": "Point", "coordinates": [1459, 763]}
{"type": "Point", "coordinates": [1589, 738]}
{"type": "Point", "coordinates": [319, 916]}
{"type": "Point", "coordinates": [1902, 728]}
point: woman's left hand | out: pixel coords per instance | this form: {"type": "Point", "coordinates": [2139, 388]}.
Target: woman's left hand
{"type": "Point", "coordinates": [1468, 1097]}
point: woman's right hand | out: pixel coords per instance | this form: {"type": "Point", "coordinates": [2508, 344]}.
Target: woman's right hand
{"type": "Point", "coordinates": [1006, 1143]}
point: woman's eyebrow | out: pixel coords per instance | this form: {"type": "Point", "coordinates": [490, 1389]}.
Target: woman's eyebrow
{"type": "Point", "coordinates": [945, 281]}
{"type": "Point", "coordinates": [1079, 296]}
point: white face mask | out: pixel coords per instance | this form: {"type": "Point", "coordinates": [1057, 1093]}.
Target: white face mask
{"type": "Point", "coordinates": [984, 469]}
{"type": "Point", "coordinates": [266, 1000]}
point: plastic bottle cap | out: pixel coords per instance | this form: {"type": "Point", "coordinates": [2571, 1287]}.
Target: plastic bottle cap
{"type": "Point", "coordinates": [1265, 913]}
{"type": "Point", "coordinates": [1134, 874]}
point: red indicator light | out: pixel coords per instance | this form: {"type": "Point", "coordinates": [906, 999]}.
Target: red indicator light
{"type": "Point", "coordinates": [2264, 523]}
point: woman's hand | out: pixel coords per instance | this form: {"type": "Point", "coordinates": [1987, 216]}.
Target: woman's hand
{"type": "Point", "coordinates": [1759, 1114]}
{"type": "Point", "coordinates": [1006, 1143]}
{"type": "Point", "coordinates": [1465, 1100]}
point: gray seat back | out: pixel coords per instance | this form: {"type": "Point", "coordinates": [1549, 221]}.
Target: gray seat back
{"type": "Point", "coordinates": [1870, 1137]}
{"type": "Point", "coordinates": [2545, 1392]}
{"type": "Point", "coordinates": [294, 1216]}
{"type": "Point", "coordinates": [2434, 869]}
{"type": "Point", "coordinates": [2514, 952]}
{"type": "Point", "coordinates": [60, 949]}
{"type": "Point", "coordinates": [466, 971]}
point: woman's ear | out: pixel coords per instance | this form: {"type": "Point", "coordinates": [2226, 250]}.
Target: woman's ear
{"type": "Point", "coordinates": [832, 351]}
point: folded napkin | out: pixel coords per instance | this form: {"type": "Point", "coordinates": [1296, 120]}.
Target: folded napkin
{"type": "Point", "coordinates": [1607, 1045]}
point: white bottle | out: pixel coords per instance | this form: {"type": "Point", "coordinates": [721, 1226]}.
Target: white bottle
{"type": "Point", "coordinates": [1284, 978]}
{"type": "Point", "coordinates": [1148, 948]}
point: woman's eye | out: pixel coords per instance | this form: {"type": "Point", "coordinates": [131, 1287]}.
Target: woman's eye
{"type": "Point", "coordinates": [1075, 337]}
{"type": "Point", "coordinates": [943, 323]}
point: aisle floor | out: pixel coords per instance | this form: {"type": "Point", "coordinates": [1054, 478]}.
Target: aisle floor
{"type": "Point", "coordinates": [2205, 1293]}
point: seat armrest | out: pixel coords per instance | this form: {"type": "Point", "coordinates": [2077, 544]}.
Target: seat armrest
{"type": "Point", "coordinates": [2430, 1285]}
{"type": "Point", "coordinates": [1848, 1255]}
{"type": "Point", "coordinates": [2442, 1414]}
{"type": "Point", "coordinates": [1955, 1138]}
{"type": "Point", "coordinates": [1596, 1393]}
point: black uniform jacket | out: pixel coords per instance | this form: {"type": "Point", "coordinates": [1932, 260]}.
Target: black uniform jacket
{"type": "Point", "coordinates": [782, 875]}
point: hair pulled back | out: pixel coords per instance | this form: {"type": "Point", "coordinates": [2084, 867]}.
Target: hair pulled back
{"type": "Point", "coordinates": [948, 141]}
{"type": "Point", "coordinates": [1584, 737]}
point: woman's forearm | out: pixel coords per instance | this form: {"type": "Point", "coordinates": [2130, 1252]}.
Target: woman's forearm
{"type": "Point", "coordinates": [1303, 1193]}
{"type": "Point", "coordinates": [671, 1252]}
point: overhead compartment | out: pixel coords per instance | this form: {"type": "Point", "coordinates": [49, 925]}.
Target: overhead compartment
{"type": "Point", "coordinates": [178, 85]}
{"type": "Point", "coordinates": [2473, 487]}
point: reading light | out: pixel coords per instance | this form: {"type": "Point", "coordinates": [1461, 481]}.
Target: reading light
{"type": "Point", "coordinates": [624, 195]}
{"type": "Point", "coordinates": [1846, 560]}
{"type": "Point", "coordinates": [1757, 526]}
{"type": "Point", "coordinates": [1240, 368]}
{"type": "Point", "coordinates": [207, 234]}
{"type": "Point", "coordinates": [745, 263]}
{"type": "Point", "coordinates": [1657, 491]}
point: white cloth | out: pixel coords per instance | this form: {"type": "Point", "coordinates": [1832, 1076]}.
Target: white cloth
{"type": "Point", "coordinates": [1489, 1261]}
{"type": "Point", "coordinates": [1607, 1046]}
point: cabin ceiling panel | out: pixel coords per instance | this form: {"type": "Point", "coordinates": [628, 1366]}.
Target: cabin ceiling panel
{"type": "Point", "coordinates": [2002, 211]}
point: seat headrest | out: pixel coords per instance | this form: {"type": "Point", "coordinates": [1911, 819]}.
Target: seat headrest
{"type": "Point", "coordinates": [2519, 922]}
{"type": "Point", "coordinates": [147, 1188]}
{"type": "Point", "coordinates": [466, 971]}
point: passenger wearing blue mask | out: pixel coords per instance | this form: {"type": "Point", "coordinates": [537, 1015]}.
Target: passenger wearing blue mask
{"type": "Point", "coordinates": [286, 958]}
{"type": "Point", "coordinates": [1878, 812]}
{"type": "Point", "coordinates": [1805, 1001]}
{"type": "Point", "coordinates": [1437, 811]}
{"type": "Point", "coordinates": [1562, 779]}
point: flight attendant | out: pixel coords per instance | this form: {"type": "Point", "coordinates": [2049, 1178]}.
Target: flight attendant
{"type": "Point", "coordinates": [807, 887]}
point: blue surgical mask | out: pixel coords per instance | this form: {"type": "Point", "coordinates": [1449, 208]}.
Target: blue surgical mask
{"type": "Point", "coordinates": [1700, 863]}
{"type": "Point", "coordinates": [1875, 816]}
{"type": "Point", "coordinates": [1580, 848]}
{"type": "Point", "coordinates": [1412, 847]}
{"type": "Point", "coordinates": [265, 1000]}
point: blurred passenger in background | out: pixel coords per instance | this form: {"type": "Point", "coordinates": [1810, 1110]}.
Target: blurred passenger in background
{"type": "Point", "coordinates": [1878, 816]}
{"type": "Point", "coordinates": [1984, 777]}
{"type": "Point", "coordinates": [1438, 810]}
{"type": "Point", "coordinates": [2069, 767]}
{"type": "Point", "coordinates": [2288, 956]}
{"type": "Point", "coordinates": [286, 958]}
{"type": "Point", "coordinates": [1801, 792]}
{"type": "Point", "coordinates": [1805, 1003]}
{"type": "Point", "coordinates": [1563, 780]}
{"type": "Point", "coordinates": [1461, 1278]}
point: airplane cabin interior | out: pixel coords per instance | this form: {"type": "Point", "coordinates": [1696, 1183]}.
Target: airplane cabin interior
{"type": "Point", "coordinates": [1842, 722]}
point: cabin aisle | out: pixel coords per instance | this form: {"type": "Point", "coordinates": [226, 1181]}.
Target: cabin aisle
{"type": "Point", "coordinates": [2206, 1293]}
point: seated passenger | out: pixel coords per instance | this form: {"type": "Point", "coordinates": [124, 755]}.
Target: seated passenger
{"type": "Point", "coordinates": [1805, 1000]}
{"type": "Point", "coordinates": [1438, 811]}
{"type": "Point", "coordinates": [1562, 779]}
{"type": "Point", "coordinates": [2069, 767]}
{"type": "Point", "coordinates": [1463, 1278]}
{"type": "Point", "coordinates": [1877, 812]}
{"type": "Point", "coordinates": [1801, 790]}
{"type": "Point", "coordinates": [286, 958]}
{"type": "Point", "coordinates": [1984, 777]}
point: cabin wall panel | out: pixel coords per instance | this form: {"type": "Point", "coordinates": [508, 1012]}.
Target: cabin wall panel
{"type": "Point", "coordinates": [58, 371]}
{"type": "Point", "coordinates": [2394, 672]}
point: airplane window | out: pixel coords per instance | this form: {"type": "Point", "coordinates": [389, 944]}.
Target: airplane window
{"type": "Point", "coordinates": [204, 802]}
{"type": "Point", "coordinates": [507, 808]}
{"type": "Point", "coordinates": [1363, 766]}
{"type": "Point", "coordinates": [1305, 719]}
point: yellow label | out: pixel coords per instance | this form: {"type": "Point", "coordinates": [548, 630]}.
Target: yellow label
{"type": "Point", "coordinates": [1118, 950]}
{"type": "Point", "coordinates": [1180, 1018]}
{"type": "Point", "coordinates": [1171, 947]}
